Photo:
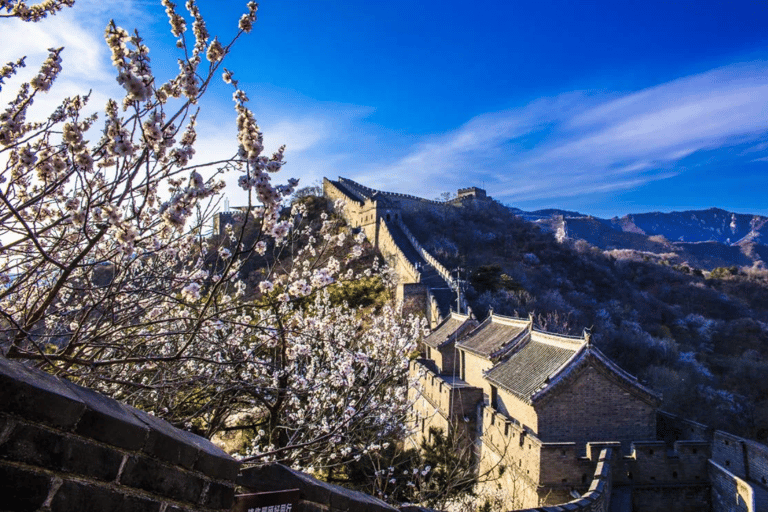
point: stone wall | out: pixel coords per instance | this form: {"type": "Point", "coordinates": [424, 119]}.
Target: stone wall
{"type": "Point", "coordinates": [521, 412]}
{"type": "Point", "coordinates": [473, 368]}
{"type": "Point", "coordinates": [67, 448]}
{"type": "Point", "coordinates": [315, 496]}
{"type": "Point", "coordinates": [742, 457]}
{"type": "Point", "coordinates": [599, 399]}
{"type": "Point", "coordinates": [413, 296]}
{"type": "Point", "coordinates": [729, 492]}
{"type": "Point", "coordinates": [671, 428]}
{"type": "Point", "coordinates": [517, 447]}
{"type": "Point", "coordinates": [395, 257]}
{"type": "Point", "coordinates": [598, 496]}
{"type": "Point", "coordinates": [451, 399]}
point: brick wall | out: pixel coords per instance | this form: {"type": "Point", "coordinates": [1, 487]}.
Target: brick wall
{"type": "Point", "coordinates": [64, 447]}
{"type": "Point", "coordinates": [474, 367]}
{"type": "Point", "coordinates": [521, 412]}
{"type": "Point", "coordinates": [314, 494]}
{"type": "Point", "coordinates": [594, 408]}
{"type": "Point", "coordinates": [671, 428]}
{"type": "Point", "coordinates": [446, 360]}
{"type": "Point", "coordinates": [518, 448]}
{"type": "Point", "coordinates": [394, 256]}
{"type": "Point", "coordinates": [598, 496]}
{"type": "Point", "coordinates": [757, 462]}
{"type": "Point", "coordinates": [730, 452]}
{"type": "Point", "coordinates": [729, 492]}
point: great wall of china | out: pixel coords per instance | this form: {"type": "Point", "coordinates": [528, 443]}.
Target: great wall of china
{"type": "Point", "coordinates": [681, 465]}
{"type": "Point", "coordinates": [67, 448]}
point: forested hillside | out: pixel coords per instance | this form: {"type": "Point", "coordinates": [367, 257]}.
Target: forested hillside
{"type": "Point", "coordinates": [699, 338]}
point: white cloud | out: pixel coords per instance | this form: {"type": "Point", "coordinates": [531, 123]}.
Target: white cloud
{"type": "Point", "coordinates": [580, 143]}
{"type": "Point", "coordinates": [86, 62]}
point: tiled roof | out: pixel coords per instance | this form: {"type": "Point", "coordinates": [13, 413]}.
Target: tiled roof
{"type": "Point", "coordinates": [446, 330]}
{"type": "Point", "coordinates": [591, 355]}
{"type": "Point", "coordinates": [494, 333]}
{"type": "Point", "coordinates": [544, 362]}
{"type": "Point", "coordinates": [532, 362]}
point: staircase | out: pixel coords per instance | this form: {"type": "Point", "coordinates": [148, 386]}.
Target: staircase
{"type": "Point", "coordinates": [439, 289]}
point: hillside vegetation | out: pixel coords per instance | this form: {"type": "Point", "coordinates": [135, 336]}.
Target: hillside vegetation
{"type": "Point", "coordinates": [699, 338]}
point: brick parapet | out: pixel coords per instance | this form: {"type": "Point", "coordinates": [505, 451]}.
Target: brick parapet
{"type": "Point", "coordinates": [66, 447]}
{"type": "Point", "coordinates": [653, 463]}
{"type": "Point", "coordinates": [671, 428]}
{"type": "Point", "coordinates": [444, 272]}
{"type": "Point", "coordinates": [390, 249]}
{"type": "Point", "coordinates": [730, 492]}
{"type": "Point", "coordinates": [598, 496]}
{"type": "Point", "coordinates": [369, 192]}
{"type": "Point", "coordinates": [315, 495]}
{"type": "Point", "coordinates": [450, 399]}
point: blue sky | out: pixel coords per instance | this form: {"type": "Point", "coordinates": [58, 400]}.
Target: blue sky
{"type": "Point", "coordinates": [602, 107]}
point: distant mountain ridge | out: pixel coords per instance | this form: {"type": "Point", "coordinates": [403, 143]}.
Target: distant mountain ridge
{"type": "Point", "coordinates": [702, 238]}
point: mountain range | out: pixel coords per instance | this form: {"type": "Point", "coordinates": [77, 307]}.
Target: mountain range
{"type": "Point", "coordinates": [703, 239]}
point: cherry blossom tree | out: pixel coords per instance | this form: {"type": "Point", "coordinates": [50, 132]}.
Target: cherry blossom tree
{"type": "Point", "coordinates": [107, 279]}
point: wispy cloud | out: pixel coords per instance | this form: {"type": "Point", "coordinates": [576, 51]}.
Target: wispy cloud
{"type": "Point", "coordinates": [86, 64]}
{"type": "Point", "coordinates": [582, 143]}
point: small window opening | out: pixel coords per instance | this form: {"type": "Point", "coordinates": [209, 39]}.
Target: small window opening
{"type": "Point", "coordinates": [650, 452]}
{"type": "Point", "coordinates": [584, 478]}
{"type": "Point", "coordinates": [674, 474]}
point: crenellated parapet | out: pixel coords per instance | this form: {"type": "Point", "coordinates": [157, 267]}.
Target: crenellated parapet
{"type": "Point", "coordinates": [451, 396]}
{"type": "Point", "coordinates": [368, 193]}
{"type": "Point", "coordinates": [597, 497]}
{"type": "Point", "coordinates": [393, 253]}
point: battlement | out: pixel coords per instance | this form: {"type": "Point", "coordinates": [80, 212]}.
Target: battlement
{"type": "Point", "coordinates": [369, 192]}
{"type": "Point", "coordinates": [450, 395]}
{"type": "Point", "coordinates": [474, 192]}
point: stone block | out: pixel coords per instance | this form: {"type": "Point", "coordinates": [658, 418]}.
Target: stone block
{"type": "Point", "coordinates": [109, 421]}
{"type": "Point", "coordinates": [345, 500]}
{"type": "Point", "coordinates": [213, 461]}
{"type": "Point", "coordinates": [220, 496]}
{"type": "Point", "coordinates": [23, 391]}
{"type": "Point", "coordinates": [186, 449]}
{"type": "Point", "coordinates": [277, 477]}
{"type": "Point", "coordinates": [58, 451]}
{"type": "Point", "coordinates": [166, 442]}
{"type": "Point", "coordinates": [153, 476]}
{"type": "Point", "coordinates": [21, 489]}
{"type": "Point", "coordinates": [85, 497]}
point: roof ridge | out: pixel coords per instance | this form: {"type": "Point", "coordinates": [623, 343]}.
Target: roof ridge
{"type": "Point", "coordinates": [556, 377]}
